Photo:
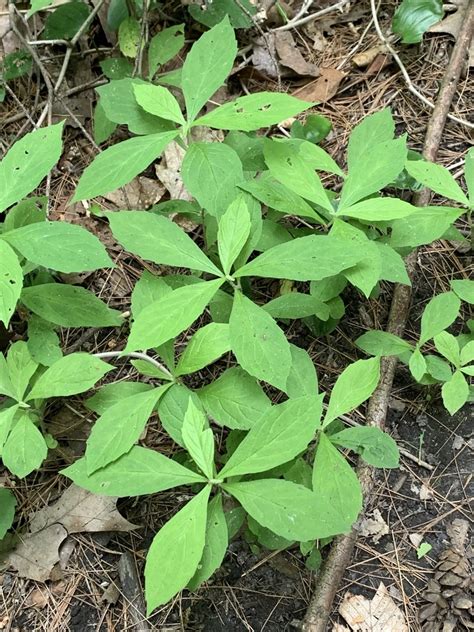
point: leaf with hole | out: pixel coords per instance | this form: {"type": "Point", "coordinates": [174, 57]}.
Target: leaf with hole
{"type": "Point", "coordinates": [11, 282]}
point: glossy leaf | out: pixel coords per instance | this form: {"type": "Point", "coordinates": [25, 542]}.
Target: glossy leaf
{"type": "Point", "coordinates": [414, 17]}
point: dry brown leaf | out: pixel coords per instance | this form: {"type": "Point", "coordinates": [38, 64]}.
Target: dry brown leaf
{"type": "Point", "coordinates": [290, 56]}
{"type": "Point", "coordinates": [323, 88]}
{"type": "Point", "coordinates": [374, 526]}
{"type": "Point", "coordinates": [38, 598]}
{"type": "Point", "coordinates": [379, 614]}
{"type": "Point", "coordinates": [141, 193]}
{"type": "Point", "coordinates": [76, 511]}
{"type": "Point", "coordinates": [452, 23]}
{"type": "Point", "coordinates": [361, 60]}
{"type": "Point", "coordinates": [169, 172]}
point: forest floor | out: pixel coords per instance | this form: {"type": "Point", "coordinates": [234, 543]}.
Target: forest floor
{"type": "Point", "coordinates": [258, 591]}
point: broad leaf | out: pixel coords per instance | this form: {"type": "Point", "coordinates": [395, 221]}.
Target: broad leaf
{"type": "Point", "coordinates": [240, 15]}
{"type": "Point", "coordinates": [158, 239]}
{"type": "Point", "coordinates": [374, 446]}
{"type": "Point", "coordinates": [207, 66]}
{"type": "Point", "coordinates": [436, 178]}
{"type": "Point", "coordinates": [110, 394]}
{"type": "Point", "coordinates": [211, 173]}
{"type": "Point", "coordinates": [43, 342]}
{"type": "Point", "coordinates": [355, 384]}
{"type": "Point", "coordinates": [277, 437]}
{"type": "Point", "coordinates": [11, 282]}
{"type": "Point", "coordinates": [424, 226]}
{"type": "Point", "coordinates": [254, 111]}
{"type": "Point", "coordinates": [28, 162]}
{"type": "Point", "coordinates": [297, 305]}
{"type": "Point", "coordinates": [234, 400]}
{"type": "Point", "coordinates": [164, 46]}
{"type": "Point", "coordinates": [217, 539]}
{"type": "Point", "coordinates": [336, 487]}
{"type": "Point", "coordinates": [175, 552]}
{"type": "Point", "coordinates": [438, 315]}
{"type": "Point", "coordinates": [448, 346]}
{"type": "Point", "coordinates": [379, 209]}
{"type": "Point", "coordinates": [392, 265]}
{"type": "Point", "coordinates": [119, 428]}
{"type": "Point", "coordinates": [69, 306]}
{"type": "Point", "coordinates": [302, 379]}
{"type": "Point", "coordinates": [25, 449]}
{"type": "Point", "coordinates": [72, 374]}
{"type": "Point", "coordinates": [382, 343]}
{"type": "Point", "coordinates": [455, 392]}
{"type": "Point", "coordinates": [310, 258]}
{"type": "Point", "coordinates": [65, 21]}
{"type": "Point", "coordinates": [198, 439]}
{"type": "Point", "coordinates": [172, 408]}
{"type": "Point", "coordinates": [129, 37]}
{"type": "Point", "coordinates": [372, 130]}
{"type": "Point", "coordinates": [102, 127]}
{"type": "Point", "coordinates": [414, 17]}
{"type": "Point", "coordinates": [61, 246]}
{"type": "Point", "coordinates": [7, 416]}
{"type": "Point", "coordinates": [6, 386]}
{"type": "Point", "coordinates": [233, 232]}
{"type": "Point", "coordinates": [467, 353]}
{"type": "Point", "coordinates": [119, 164]}
{"type": "Point", "coordinates": [7, 510]}
{"type": "Point", "coordinates": [26, 212]}
{"type": "Point", "coordinates": [169, 316]}
{"type": "Point", "coordinates": [148, 289]}
{"type": "Point", "coordinates": [159, 101]}
{"type": "Point", "coordinates": [259, 345]}
{"type": "Point", "coordinates": [139, 472]}
{"type": "Point", "coordinates": [207, 345]}
{"type": "Point", "coordinates": [417, 365]}
{"type": "Point", "coordinates": [464, 289]}
{"type": "Point", "coordinates": [21, 368]}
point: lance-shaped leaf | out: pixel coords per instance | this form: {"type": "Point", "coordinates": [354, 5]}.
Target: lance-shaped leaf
{"type": "Point", "coordinates": [25, 448]}
{"type": "Point", "coordinates": [436, 178]}
{"type": "Point", "coordinates": [120, 163]}
{"type": "Point", "coordinates": [254, 111]}
{"type": "Point", "coordinates": [280, 435]}
{"type": "Point", "coordinates": [6, 422]}
{"type": "Point", "coordinates": [259, 345]}
{"type": "Point", "coordinates": [11, 282]}
{"type": "Point", "coordinates": [59, 246]}
{"type": "Point", "coordinates": [198, 439]}
{"type": "Point", "coordinates": [372, 130]}
{"type": "Point", "coordinates": [148, 289]}
{"type": "Point", "coordinates": [7, 504]}
{"type": "Point", "coordinates": [172, 408]}
{"type": "Point", "coordinates": [139, 472]}
{"type": "Point", "coordinates": [119, 428]}
{"type": "Point", "coordinates": [207, 345]}
{"type": "Point", "coordinates": [159, 101]}
{"type": "Point", "coordinates": [21, 367]}
{"type": "Point", "coordinates": [175, 552]}
{"type": "Point", "coordinates": [169, 316]}
{"type": "Point", "coordinates": [382, 343]}
{"type": "Point", "coordinates": [302, 379]}
{"type": "Point", "coordinates": [233, 231]}
{"type": "Point", "coordinates": [355, 384]}
{"type": "Point", "coordinates": [379, 209]}
{"type": "Point", "coordinates": [43, 342]}
{"type": "Point", "coordinates": [158, 239]}
{"type": "Point", "coordinates": [164, 46]}
{"type": "Point", "coordinates": [75, 373]}
{"type": "Point", "coordinates": [448, 346]}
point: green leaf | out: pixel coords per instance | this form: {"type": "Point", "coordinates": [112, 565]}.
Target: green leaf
{"type": "Point", "coordinates": [17, 64]}
{"type": "Point", "coordinates": [355, 384]}
{"type": "Point", "coordinates": [110, 394]}
{"type": "Point", "coordinates": [150, 370]}
{"type": "Point", "coordinates": [373, 171]}
{"type": "Point", "coordinates": [423, 227]}
{"type": "Point", "coordinates": [65, 21]}
{"type": "Point", "coordinates": [158, 239]}
{"type": "Point", "coordinates": [302, 379]}
{"type": "Point", "coordinates": [207, 66]}
{"type": "Point", "coordinates": [117, 98]}
{"type": "Point", "coordinates": [464, 289]}
{"type": "Point", "coordinates": [436, 178]}
{"type": "Point", "coordinates": [437, 368]}
{"type": "Point", "coordinates": [7, 510]}
{"type": "Point", "coordinates": [448, 346]}
{"type": "Point", "coordinates": [69, 306]}
{"type": "Point", "coordinates": [11, 282]}
{"type": "Point", "coordinates": [297, 305]}
{"type": "Point", "coordinates": [414, 17]}
{"type": "Point", "coordinates": [438, 315]}
{"type": "Point", "coordinates": [233, 232]}
{"type": "Point", "coordinates": [59, 246]}
{"type": "Point", "coordinates": [372, 130]}
{"type": "Point", "coordinates": [423, 550]}
{"type": "Point", "coordinates": [119, 428]}
{"type": "Point", "coordinates": [21, 368]}
{"type": "Point", "coordinates": [289, 166]}
{"type": "Point", "coordinates": [417, 365]}
{"type": "Point", "coordinates": [139, 472]}
{"type": "Point", "coordinates": [336, 487]}
{"type": "Point", "coordinates": [25, 449]}
{"type": "Point", "coordinates": [116, 68]}
{"type": "Point", "coordinates": [310, 258]}
{"type": "Point", "coordinates": [260, 346]}
{"type": "Point", "coordinates": [43, 342]}
{"type": "Point", "coordinates": [382, 343]}
{"type": "Point", "coordinates": [198, 439]}
{"type": "Point", "coordinates": [119, 164]}
{"type": "Point", "coordinates": [211, 173]}
{"type": "Point", "coordinates": [276, 195]}
{"type": "Point", "coordinates": [289, 510]}
{"type": "Point", "coordinates": [392, 265]}
{"type": "Point", "coordinates": [28, 211]}
{"type": "Point", "coordinates": [103, 128]}
{"type": "Point", "coordinates": [164, 46]}
{"type": "Point", "coordinates": [37, 5]}
{"type": "Point", "coordinates": [6, 386]}
{"type": "Point", "coordinates": [159, 101]}
{"type": "Point", "coordinates": [217, 539]}
{"type": "Point", "coordinates": [379, 209]}
{"type": "Point", "coordinates": [235, 399]}
{"type": "Point", "coordinates": [207, 345]}
{"type": "Point", "coordinates": [469, 175]}
{"type": "Point", "coordinates": [249, 148]}
{"type": "Point", "coordinates": [455, 392]}
{"type": "Point", "coordinates": [315, 128]}
{"type": "Point", "coordinates": [175, 552]}
{"type": "Point", "coordinates": [129, 37]}
{"type": "Point", "coordinates": [172, 408]}
{"type": "Point", "coordinates": [253, 111]}
{"type": "Point", "coordinates": [240, 15]}
{"type": "Point", "coordinates": [169, 316]}
{"type": "Point", "coordinates": [148, 288]}
{"type": "Point", "coordinates": [467, 353]}
{"type": "Point", "coordinates": [28, 162]}
{"type": "Point", "coordinates": [72, 374]}
{"type": "Point", "coordinates": [277, 437]}
{"type": "Point", "coordinates": [377, 448]}
{"type": "Point", "coordinates": [7, 416]}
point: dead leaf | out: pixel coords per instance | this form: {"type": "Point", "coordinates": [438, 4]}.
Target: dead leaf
{"type": "Point", "coordinates": [141, 193]}
{"type": "Point", "coordinates": [323, 88]}
{"type": "Point", "coordinates": [290, 56]}
{"type": "Point", "coordinates": [416, 539]}
{"type": "Point", "coordinates": [374, 526]}
{"type": "Point", "coordinates": [452, 24]}
{"type": "Point", "coordinates": [264, 56]}
{"type": "Point", "coordinates": [379, 614]}
{"type": "Point", "coordinates": [76, 511]}
{"type": "Point", "coordinates": [362, 60]}
{"type": "Point", "coordinates": [169, 172]}
{"type": "Point", "coordinates": [38, 598]}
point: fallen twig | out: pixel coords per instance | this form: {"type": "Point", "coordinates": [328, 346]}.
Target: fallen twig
{"type": "Point", "coordinates": [132, 592]}
{"type": "Point", "coordinates": [298, 20]}
{"type": "Point", "coordinates": [339, 557]}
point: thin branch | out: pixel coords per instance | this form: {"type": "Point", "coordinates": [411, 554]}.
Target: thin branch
{"type": "Point", "coordinates": [299, 21]}
{"type": "Point", "coordinates": [134, 354]}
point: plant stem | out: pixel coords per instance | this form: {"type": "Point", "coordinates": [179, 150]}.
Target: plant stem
{"type": "Point", "coordinates": [135, 354]}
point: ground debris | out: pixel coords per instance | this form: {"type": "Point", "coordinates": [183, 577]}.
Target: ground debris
{"type": "Point", "coordinates": [380, 614]}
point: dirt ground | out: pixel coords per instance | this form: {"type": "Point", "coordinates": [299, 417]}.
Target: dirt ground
{"type": "Point", "coordinates": [269, 591]}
